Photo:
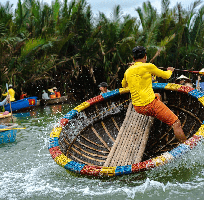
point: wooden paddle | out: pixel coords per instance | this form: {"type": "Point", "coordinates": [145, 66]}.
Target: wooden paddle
{"type": "Point", "coordinates": [198, 83]}
{"type": "Point", "coordinates": [7, 129]}
{"type": "Point", "coordinates": [9, 103]}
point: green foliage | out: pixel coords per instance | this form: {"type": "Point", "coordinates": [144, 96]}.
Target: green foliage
{"type": "Point", "coordinates": [31, 45]}
{"type": "Point", "coordinates": [56, 9]}
{"type": "Point", "coordinates": [62, 44]}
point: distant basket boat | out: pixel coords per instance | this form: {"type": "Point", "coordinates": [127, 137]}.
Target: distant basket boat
{"type": "Point", "coordinates": [105, 137]}
{"type": "Point", "coordinates": [21, 105]}
{"type": "Point", "coordinates": [60, 100]}
{"type": "Point", "coordinates": [5, 117]}
{"type": "Point", "coordinates": [8, 133]}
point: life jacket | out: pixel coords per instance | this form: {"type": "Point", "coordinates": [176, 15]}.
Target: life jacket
{"type": "Point", "coordinates": [58, 95]}
{"type": "Point", "coordinates": [52, 96]}
{"type": "Point", "coordinates": [22, 96]}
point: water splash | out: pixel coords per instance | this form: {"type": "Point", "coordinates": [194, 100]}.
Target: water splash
{"type": "Point", "coordinates": [27, 171]}
{"type": "Point", "coordinates": [82, 120]}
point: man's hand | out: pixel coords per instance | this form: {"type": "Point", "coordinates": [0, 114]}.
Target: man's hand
{"type": "Point", "coordinates": [8, 98]}
{"type": "Point", "coordinates": [170, 68]}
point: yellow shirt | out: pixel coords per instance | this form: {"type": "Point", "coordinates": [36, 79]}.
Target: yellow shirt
{"type": "Point", "coordinates": [11, 93]}
{"type": "Point", "coordinates": [138, 78]}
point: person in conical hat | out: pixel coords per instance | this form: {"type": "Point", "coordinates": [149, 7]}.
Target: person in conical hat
{"type": "Point", "coordinates": [182, 80]}
{"type": "Point", "coordinates": [51, 93]}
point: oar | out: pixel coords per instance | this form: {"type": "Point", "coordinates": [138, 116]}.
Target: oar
{"type": "Point", "coordinates": [9, 103]}
{"type": "Point", "coordinates": [6, 129]}
{"type": "Point", "coordinates": [184, 70]}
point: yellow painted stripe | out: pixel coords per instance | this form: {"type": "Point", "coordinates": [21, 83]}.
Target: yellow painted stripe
{"type": "Point", "coordinates": [124, 90]}
{"type": "Point", "coordinates": [201, 99]}
{"type": "Point", "coordinates": [200, 131]}
{"type": "Point", "coordinates": [172, 86]}
{"type": "Point", "coordinates": [82, 106]}
{"type": "Point", "coordinates": [108, 171]}
{"type": "Point", "coordinates": [56, 132]}
{"type": "Point", "coordinates": [161, 160]}
{"type": "Point", "coordinates": [62, 160]}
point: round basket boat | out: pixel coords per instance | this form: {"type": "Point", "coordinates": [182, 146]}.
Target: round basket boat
{"type": "Point", "coordinates": [8, 132]}
{"type": "Point", "coordinates": [5, 117]}
{"type": "Point", "coordinates": [104, 137]}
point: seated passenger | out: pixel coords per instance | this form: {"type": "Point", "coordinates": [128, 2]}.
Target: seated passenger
{"type": "Point", "coordinates": [51, 94]}
{"type": "Point", "coordinates": [183, 80]}
{"type": "Point", "coordinates": [57, 93]}
{"type": "Point", "coordinates": [103, 87]}
{"type": "Point", "coordinates": [23, 95]}
{"type": "Point", "coordinates": [45, 95]}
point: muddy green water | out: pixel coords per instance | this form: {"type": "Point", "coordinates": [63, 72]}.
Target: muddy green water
{"type": "Point", "coordinates": [27, 171]}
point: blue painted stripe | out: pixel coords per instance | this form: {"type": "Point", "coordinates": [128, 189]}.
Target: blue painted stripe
{"type": "Point", "coordinates": [196, 93]}
{"type": "Point", "coordinates": [120, 170]}
{"type": "Point", "coordinates": [71, 114]}
{"type": "Point", "coordinates": [159, 85]}
{"type": "Point", "coordinates": [181, 149]}
{"type": "Point", "coordinates": [74, 166]}
{"type": "Point", "coordinates": [53, 142]}
{"type": "Point", "coordinates": [110, 94]}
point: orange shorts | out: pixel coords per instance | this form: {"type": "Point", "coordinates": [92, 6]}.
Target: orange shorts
{"type": "Point", "coordinates": [158, 110]}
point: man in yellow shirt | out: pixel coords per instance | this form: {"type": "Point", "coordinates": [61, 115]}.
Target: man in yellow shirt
{"type": "Point", "coordinates": [138, 78]}
{"type": "Point", "coordinates": [11, 93]}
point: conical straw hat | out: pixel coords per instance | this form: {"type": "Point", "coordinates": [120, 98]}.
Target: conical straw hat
{"type": "Point", "coordinates": [201, 71]}
{"type": "Point", "coordinates": [182, 77]}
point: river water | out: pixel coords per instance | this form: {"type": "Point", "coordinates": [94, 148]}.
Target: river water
{"type": "Point", "coordinates": [27, 171]}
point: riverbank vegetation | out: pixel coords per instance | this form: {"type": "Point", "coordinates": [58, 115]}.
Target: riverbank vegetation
{"type": "Point", "coordinates": [64, 45]}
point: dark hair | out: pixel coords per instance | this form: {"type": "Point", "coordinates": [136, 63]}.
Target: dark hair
{"type": "Point", "coordinates": [139, 52]}
{"type": "Point", "coordinates": [103, 84]}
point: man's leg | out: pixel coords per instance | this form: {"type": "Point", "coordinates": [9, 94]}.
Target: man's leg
{"type": "Point", "coordinates": [178, 131]}
{"type": "Point", "coordinates": [164, 114]}
{"type": "Point", "coordinates": [157, 95]}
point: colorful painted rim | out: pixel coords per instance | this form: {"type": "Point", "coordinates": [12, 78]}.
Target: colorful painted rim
{"type": "Point", "coordinates": [8, 136]}
{"type": "Point", "coordinates": [21, 104]}
{"type": "Point", "coordinates": [2, 116]}
{"type": "Point", "coordinates": [100, 171]}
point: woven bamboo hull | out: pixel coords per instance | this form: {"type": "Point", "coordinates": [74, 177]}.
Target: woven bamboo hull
{"type": "Point", "coordinates": [83, 140]}
{"type": "Point", "coordinates": [5, 118]}
{"type": "Point", "coordinates": [9, 134]}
